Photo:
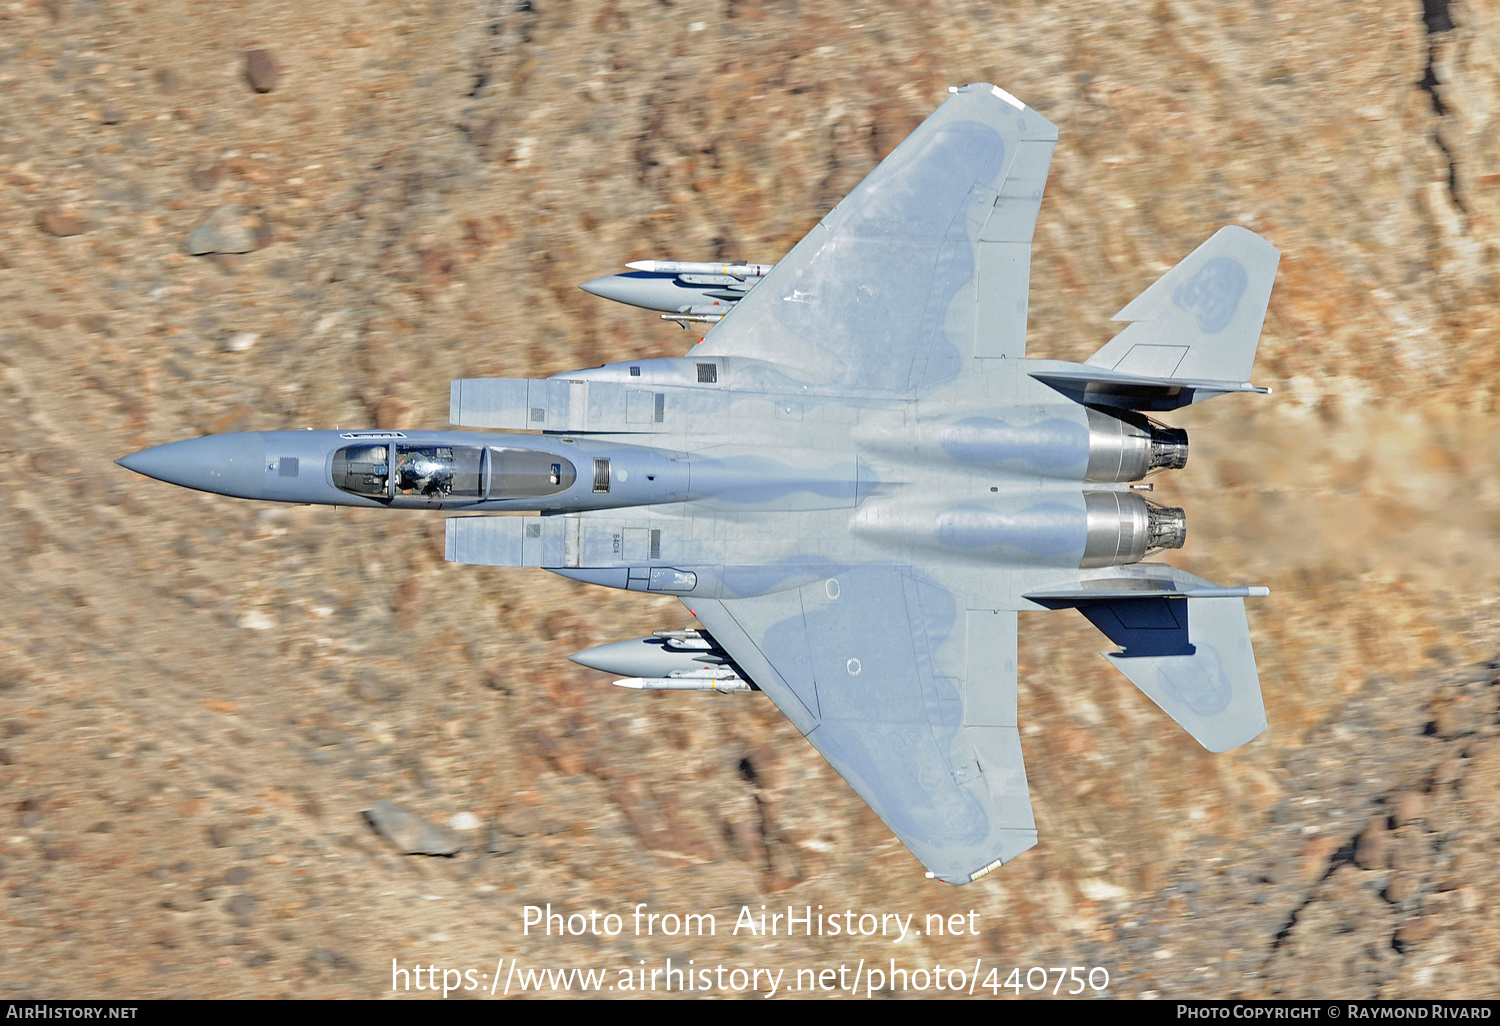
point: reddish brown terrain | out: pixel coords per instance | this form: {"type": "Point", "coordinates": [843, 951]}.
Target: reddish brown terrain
{"type": "Point", "coordinates": [200, 698]}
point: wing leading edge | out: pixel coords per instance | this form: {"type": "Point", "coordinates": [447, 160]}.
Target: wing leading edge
{"type": "Point", "coordinates": [908, 695]}
{"type": "Point", "coordinates": [924, 266]}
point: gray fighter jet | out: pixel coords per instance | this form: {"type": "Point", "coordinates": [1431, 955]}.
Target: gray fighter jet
{"type": "Point", "coordinates": [856, 481]}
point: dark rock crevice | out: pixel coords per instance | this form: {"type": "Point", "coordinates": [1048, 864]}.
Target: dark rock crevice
{"type": "Point", "coordinates": [1438, 18]}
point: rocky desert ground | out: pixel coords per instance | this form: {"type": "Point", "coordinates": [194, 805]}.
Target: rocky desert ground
{"type": "Point", "coordinates": [264, 215]}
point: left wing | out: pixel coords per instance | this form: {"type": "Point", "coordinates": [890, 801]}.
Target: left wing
{"type": "Point", "coordinates": [910, 697]}
{"type": "Point", "coordinates": [923, 267]}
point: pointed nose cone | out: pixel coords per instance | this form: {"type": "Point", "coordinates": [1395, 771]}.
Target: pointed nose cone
{"type": "Point", "coordinates": [612, 286]}
{"type": "Point", "coordinates": [224, 464]}
{"type": "Point", "coordinates": [651, 291]}
{"type": "Point", "coordinates": [608, 657]}
{"type": "Point", "coordinates": [645, 657]}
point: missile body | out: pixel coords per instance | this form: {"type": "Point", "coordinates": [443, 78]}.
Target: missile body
{"type": "Point", "coordinates": [724, 681]}
{"type": "Point", "coordinates": [676, 660]}
{"type": "Point", "coordinates": [664, 654]}
{"type": "Point", "coordinates": [684, 291]}
{"type": "Point", "coordinates": [701, 267]}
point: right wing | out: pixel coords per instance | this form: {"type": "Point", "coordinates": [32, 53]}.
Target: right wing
{"type": "Point", "coordinates": [925, 265]}
{"type": "Point", "coordinates": [909, 696]}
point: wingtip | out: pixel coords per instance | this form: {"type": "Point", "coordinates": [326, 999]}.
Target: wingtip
{"type": "Point", "coordinates": [993, 89]}
{"type": "Point", "coordinates": [1007, 97]}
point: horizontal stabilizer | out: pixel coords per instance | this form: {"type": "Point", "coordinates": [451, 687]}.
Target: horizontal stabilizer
{"type": "Point", "coordinates": [1186, 644]}
{"type": "Point", "coordinates": [1202, 319]}
{"type": "Point", "coordinates": [1192, 658]}
{"type": "Point", "coordinates": [1101, 386]}
{"type": "Point", "coordinates": [1105, 590]}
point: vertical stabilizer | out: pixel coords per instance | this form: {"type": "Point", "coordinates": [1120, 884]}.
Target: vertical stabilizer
{"type": "Point", "coordinates": [1202, 319]}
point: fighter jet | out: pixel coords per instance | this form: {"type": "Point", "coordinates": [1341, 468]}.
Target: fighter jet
{"type": "Point", "coordinates": [856, 481]}
{"type": "Point", "coordinates": [690, 291]}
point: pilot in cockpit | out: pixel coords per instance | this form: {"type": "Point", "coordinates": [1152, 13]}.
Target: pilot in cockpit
{"type": "Point", "coordinates": [424, 473]}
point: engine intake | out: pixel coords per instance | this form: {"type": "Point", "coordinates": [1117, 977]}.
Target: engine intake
{"type": "Point", "coordinates": [1126, 446]}
{"type": "Point", "coordinates": [1123, 527]}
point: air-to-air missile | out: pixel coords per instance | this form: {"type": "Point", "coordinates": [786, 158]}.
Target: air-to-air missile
{"type": "Point", "coordinates": [675, 660]}
{"type": "Point", "coordinates": [689, 291]}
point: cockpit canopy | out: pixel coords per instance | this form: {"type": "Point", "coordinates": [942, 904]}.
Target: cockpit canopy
{"type": "Point", "coordinates": [363, 470]}
{"type": "Point", "coordinates": [449, 473]}
{"type": "Point", "coordinates": [438, 472]}
{"type": "Point", "coordinates": [519, 473]}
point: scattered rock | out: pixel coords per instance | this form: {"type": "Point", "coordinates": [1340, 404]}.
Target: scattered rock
{"type": "Point", "coordinates": [407, 605]}
{"type": "Point", "coordinates": [323, 958]}
{"type": "Point", "coordinates": [94, 324]}
{"type": "Point", "coordinates": [464, 821]}
{"type": "Point", "coordinates": [419, 772]}
{"type": "Point", "coordinates": [6, 758]}
{"type": "Point", "coordinates": [1315, 856]}
{"type": "Point", "coordinates": [1372, 849]}
{"type": "Point", "coordinates": [242, 907]}
{"type": "Point", "coordinates": [1400, 888]}
{"type": "Point", "coordinates": [226, 229]}
{"type": "Point", "coordinates": [1409, 808]}
{"type": "Point", "coordinates": [167, 81]}
{"type": "Point", "coordinates": [229, 263]}
{"type": "Point", "coordinates": [393, 414]}
{"type": "Point", "coordinates": [1414, 932]}
{"type": "Point", "coordinates": [111, 114]}
{"type": "Point", "coordinates": [219, 836]}
{"type": "Point", "coordinates": [519, 821]}
{"type": "Point", "coordinates": [371, 688]}
{"type": "Point", "coordinates": [560, 624]}
{"type": "Point", "coordinates": [1455, 718]}
{"type": "Point", "coordinates": [261, 70]}
{"type": "Point", "coordinates": [55, 222]}
{"type": "Point", "coordinates": [325, 737]}
{"type": "Point", "coordinates": [235, 419]}
{"type": "Point", "coordinates": [411, 833]}
{"type": "Point", "coordinates": [240, 342]}
{"type": "Point", "coordinates": [205, 176]}
{"type": "Point", "coordinates": [497, 843]}
{"type": "Point", "coordinates": [237, 876]}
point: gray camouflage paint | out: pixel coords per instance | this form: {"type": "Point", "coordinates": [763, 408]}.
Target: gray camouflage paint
{"type": "Point", "coordinates": [856, 480]}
